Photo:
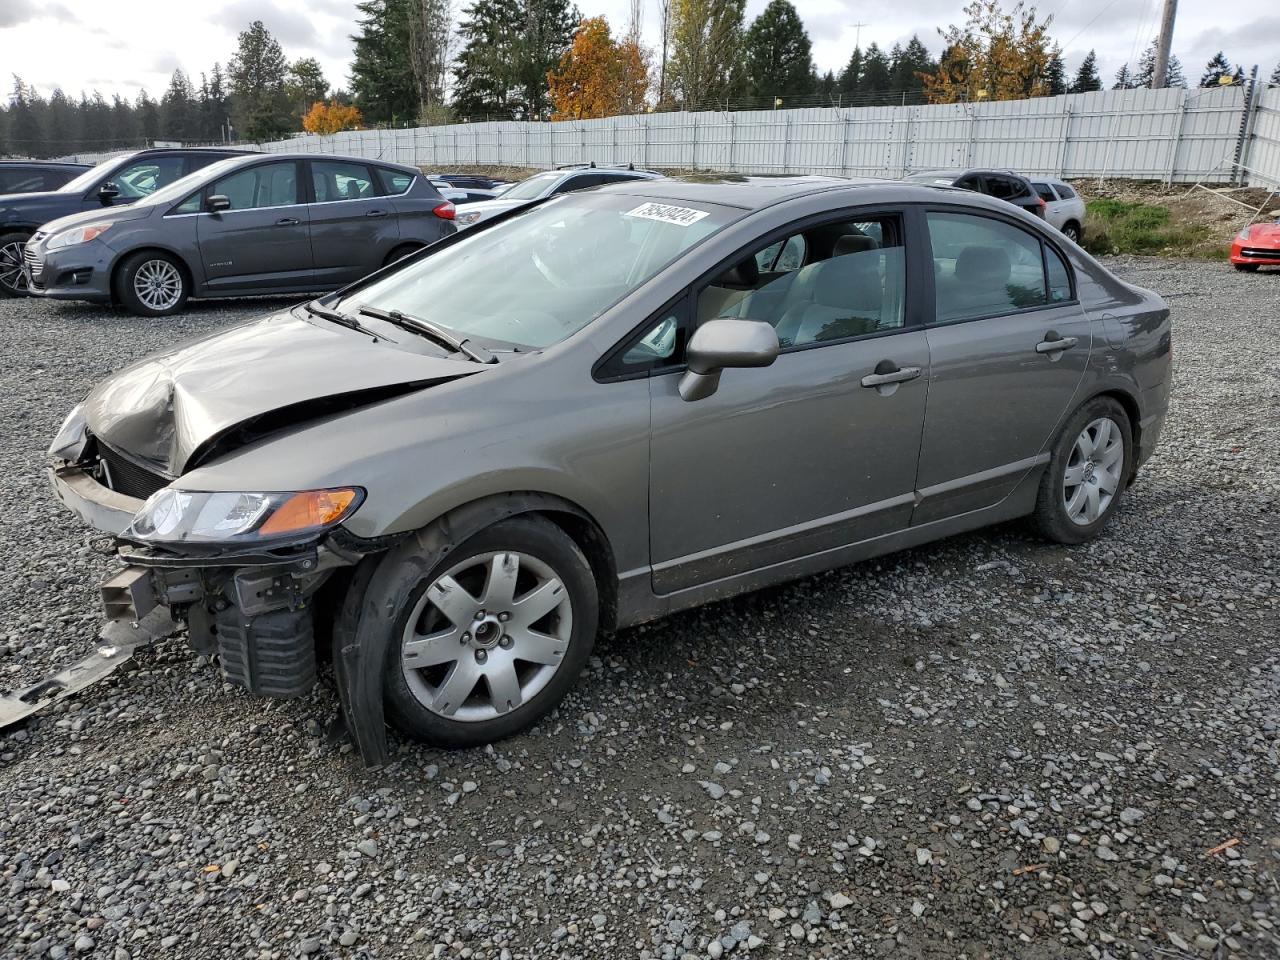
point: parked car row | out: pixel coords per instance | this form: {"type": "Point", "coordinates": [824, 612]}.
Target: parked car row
{"type": "Point", "coordinates": [1050, 199]}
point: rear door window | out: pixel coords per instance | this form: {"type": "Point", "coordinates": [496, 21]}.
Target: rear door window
{"type": "Point", "coordinates": [984, 267]}
{"type": "Point", "coordinates": [1005, 188]}
{"type": "Point", "coordinates": [334, 180]}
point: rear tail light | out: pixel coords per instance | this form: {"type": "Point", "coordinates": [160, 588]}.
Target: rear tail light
{"type": "Point", "coordinates": [445, 211]}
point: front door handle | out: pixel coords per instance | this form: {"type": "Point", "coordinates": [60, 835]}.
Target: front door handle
{"type": "Point", "coordinates": [287, 222]}
{"type": "Point", "coordinates": [1053, 345]}
{"type": "Point", "coordinates": [376, 213]}
{"type": "Point", "coordinates": [884, 376]}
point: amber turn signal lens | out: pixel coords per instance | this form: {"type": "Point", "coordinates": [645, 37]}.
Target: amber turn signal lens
{"type": "Point", "coordinates": [308, 510]}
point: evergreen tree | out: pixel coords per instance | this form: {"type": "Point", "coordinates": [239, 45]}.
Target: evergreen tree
{"type": "Point", "coordinates": [706, 44]}
{"type": "Point", "coordinates": [62, 127]}
{"type": "Point", "coordinates": [1055, 75]}
{"type": "Point", "coordinates": [546, 32]}
{"type": "Point", "coordinates": [1275, 75]}
{"type": "Point", "coordinates": [214, 108]}
{"type": "Point", "coordinates": [876, 77]}
{"type": "Point", "coordinates": [485, 78]}
{"type": "Point", "coordinates": [1147, 69]}
{"type": "Point", "coordinates": [259, 103]}
{"type": "Point", "coordinates": [120, 123]}
{"type": "Point", "coordinates": [304, 85]}
{"type": "Point", "coordinates": [779, 56]}
{"type": "Point", "coordinates": [1087, 79]}
{"type": "Point", "coordinates": [909, 63]}
{"type": "Point", "coordinates": [178, 117]}
{"type": "Point", "coordinates": [1124, 79]}
{"type": "Point", "coordinates": [1217, 68]}
{"type": "Point", "coordinates": [850, 83]}
{"type": "Point", "coordinates": [25, 109]}
{"type": "Point", "coordinates": [825, 85]}
{"type": "Point", "coordinates": [382, 80]}
{"type": "Point", "coordinates": [148, 115]}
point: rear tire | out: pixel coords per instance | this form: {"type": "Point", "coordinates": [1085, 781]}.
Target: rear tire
{"type": "Point", "coordinates": [152, 284]}
{"type": "Point", "coordinates": [1071, 231]}
{"type": "Point", "coordinates": [13, 282]}
{"type": "Point", "coordinates": [1090, 464]}
{"type": "Point", "coordinates": [468, 662]}
{"type": "Point", "coordinates": [1246, 267]}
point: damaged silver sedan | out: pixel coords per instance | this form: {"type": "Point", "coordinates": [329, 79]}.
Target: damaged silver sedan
{"type": "Point", "coordinates": [448, 477]}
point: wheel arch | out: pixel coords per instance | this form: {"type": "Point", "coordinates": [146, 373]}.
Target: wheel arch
{"type": "Point", "coordinates": [118, 263]}
{"type": "Point", "coordinates": [1129, 402]}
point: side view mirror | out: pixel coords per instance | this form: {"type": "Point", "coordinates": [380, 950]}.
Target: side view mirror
{"type": "Point", "coordinates": [108, 192]}
{"type": "Point", "coordinates": [722, 343]}
{"type": "Point", "coordinates": [217, 203]}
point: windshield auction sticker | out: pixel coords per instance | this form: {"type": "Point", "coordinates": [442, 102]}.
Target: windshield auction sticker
{"type": "Point", "coordinates": [665, 213]}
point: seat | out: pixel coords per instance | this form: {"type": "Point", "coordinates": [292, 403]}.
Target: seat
{"type": "Point", "coordinates": [725, 293]}
{"type": "Point", "coordinates": [847, 299]}
{"type": "Point", "coordinates": [981, 281]}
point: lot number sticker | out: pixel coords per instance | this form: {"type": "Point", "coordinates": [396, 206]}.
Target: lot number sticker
{"type": "Point", "coordinates": [665, 213]}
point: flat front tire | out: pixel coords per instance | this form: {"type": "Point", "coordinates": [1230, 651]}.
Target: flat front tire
{"type": "Point", "coordinates": [492, 637]}
{"type": "Point", "coordinates": [1089, 466]}
{"type": "Point", "coordinates": [152, 284]}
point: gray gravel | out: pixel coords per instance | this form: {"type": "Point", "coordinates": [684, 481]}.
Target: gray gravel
{"type": "Point", "coordinates": [988, 747]}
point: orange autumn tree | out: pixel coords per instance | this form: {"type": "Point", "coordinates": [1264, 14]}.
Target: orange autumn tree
{"type": "Point", "coordinates": [598, 76]}
{"type": "Point", "coordinates": [331, 117]}
{"type": "Point", "coordinates": [995, 55]}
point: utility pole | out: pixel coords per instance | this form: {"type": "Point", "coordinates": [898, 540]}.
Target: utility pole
{"type": "Point", "coordinates": [1163, 43]}
{"type": "Point", "coordinates": [857, 37]}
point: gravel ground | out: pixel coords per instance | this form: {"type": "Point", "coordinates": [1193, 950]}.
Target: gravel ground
{"type": "Point", "coordinates": [988, 747]}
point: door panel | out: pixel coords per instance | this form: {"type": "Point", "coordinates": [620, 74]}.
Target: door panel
{"type": "Point", "coordinates": [784, 461]}
{"type": "Point", "coordinates": [263, 241]}
{"type": "Point", "coordinates": [997, 387]}
{"type": "Point", "coordinates": [353, 229]}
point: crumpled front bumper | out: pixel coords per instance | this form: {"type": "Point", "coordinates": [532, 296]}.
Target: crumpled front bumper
{"type": "Point", "coordinates": [100, 507]}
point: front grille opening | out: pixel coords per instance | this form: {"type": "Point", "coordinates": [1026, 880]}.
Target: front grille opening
{"type": "Point", "coordinates": [123, 475]}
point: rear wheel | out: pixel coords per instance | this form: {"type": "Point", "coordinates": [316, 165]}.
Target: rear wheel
{"type": "Point", "coordinates": [493, 637]}
{"type": "Point", "coordinates": [152, 284]}
{"type": "Point", "coordinates": [1071, 230]}
{"type": "Point", "coordinates": [1246, 267]}
{"type": "Point", "coordinates": [1089, 466]}
{"type": "Point", "coordinates": [13, 282]}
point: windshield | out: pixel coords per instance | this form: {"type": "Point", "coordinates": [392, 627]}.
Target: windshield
{"type": "Point", "coordinates": [547, 273]}
{"type": "Point", "coordinates": [532, 188]}
{"type": "Point", "coordinates": [90, 176]}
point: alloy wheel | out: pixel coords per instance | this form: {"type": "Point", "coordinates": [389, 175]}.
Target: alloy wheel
{"type": "Point", "coordinates": [487, 636]}
{"type": "Point", "coordinates": [1072, 233]}
{"type": "Point", "coordinates": [158, 284]}
{"type": "Point", "coordinates": [11, 276]}
{"type": "Point", "coordinates": [1093, 471]}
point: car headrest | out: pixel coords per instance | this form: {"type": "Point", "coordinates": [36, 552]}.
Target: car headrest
{"type": "Point", "coordinates": [744, 275]}
{"type": "Point", "coordinates": [853, 243]}
{"type": "Point", "coordinates": [981, 264]}
{"type": "Point", "coordinates": [848, 282]}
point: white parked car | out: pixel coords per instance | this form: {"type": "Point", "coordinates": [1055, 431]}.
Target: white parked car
{"type": "Point", "coordinates": [563, 180]}
{"type": "Point", "coordinates": [1063, 207]}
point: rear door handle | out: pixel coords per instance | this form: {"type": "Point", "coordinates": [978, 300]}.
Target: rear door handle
{"type": "Point", "coordinates": [287, 222]}
{"type": "Point", "coordinates": [1054, 344]}
{"type": "Point", "coordinates": [888, 377]}
{"type": "Point", "coordinates": [376, 213]}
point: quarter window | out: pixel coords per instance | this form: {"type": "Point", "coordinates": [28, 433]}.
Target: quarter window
{"type": "Point", "coordinates": [394, 181]}
{"type": "Point", "coordinates": [1058, 274]}
{"type": "Point", "coordinates": [334, 180]}
{"type": "Point", "coordinates": [984, 267]}
{"type": "Point", "coordinates": [1065, 192]}
{"type": "Point", "coordinates": [266, 185]}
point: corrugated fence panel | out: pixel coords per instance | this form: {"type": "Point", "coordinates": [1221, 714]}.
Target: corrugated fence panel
{"type": "Point", "coordinates": [1172, 135]}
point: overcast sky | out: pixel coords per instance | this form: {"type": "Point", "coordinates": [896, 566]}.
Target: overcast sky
{"type": "Point", "coordinates": [125, 45]}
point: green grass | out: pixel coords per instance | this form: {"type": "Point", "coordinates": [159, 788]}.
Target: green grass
{"type": "Point", "coordinates": [1116, 226]}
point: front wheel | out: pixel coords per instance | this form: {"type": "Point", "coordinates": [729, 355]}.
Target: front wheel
{"type": "Point", "coordinates": [1088, 468]}
{"type": "Point", "coordinates": [13, 282]}
{"type": "Point", "coordinates": [152, 284]}
{"type": "Point", "coordinates": [492, 637]}
{"type": "Point", "coordinates": [1246, 267]}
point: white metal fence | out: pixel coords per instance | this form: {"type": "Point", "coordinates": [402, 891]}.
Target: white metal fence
{"type": "Point", "coordinates": [1175, 135]}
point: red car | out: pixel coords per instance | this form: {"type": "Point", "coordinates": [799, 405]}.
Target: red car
{"type": "Point", "coordinates": [1257, 245]}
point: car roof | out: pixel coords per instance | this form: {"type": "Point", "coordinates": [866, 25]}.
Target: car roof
{"type": "Point", "coordinates": [46, 163]}
{"type": "Point", "coordinates": [749, 192]}
{"type": "Point", "coordinates": [251, 157]}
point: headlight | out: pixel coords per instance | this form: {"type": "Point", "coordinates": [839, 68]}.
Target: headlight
{"type": "Point", "coordinates": [1244, 234]}
{"type": "Point", "coordinates": [68, 238]}
{"type": "Point", "coordinates": [466, 219]}
{"type": "Point", "coordinates": [68, 443]}
{"type": "Point", "coordinates": [191, 516]}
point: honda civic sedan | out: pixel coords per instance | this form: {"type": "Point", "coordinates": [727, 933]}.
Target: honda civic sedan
{"type": "Point", "coordinates": [450, 479]}
{"type": "Point", "coordinates": [246, 225]}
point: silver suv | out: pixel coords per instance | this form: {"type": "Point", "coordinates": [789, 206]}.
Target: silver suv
{"type": "Point", "coordinates": [671, 392]}
{"type": "Point", "coordinates": [1063, 207]}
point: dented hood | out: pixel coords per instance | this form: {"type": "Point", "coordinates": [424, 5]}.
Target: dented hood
{"type": "Point", "coordinates": [277, 369]}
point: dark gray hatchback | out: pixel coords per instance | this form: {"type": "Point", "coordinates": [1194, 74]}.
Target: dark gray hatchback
{"type": "Point", "coordinates": [243, 226]}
